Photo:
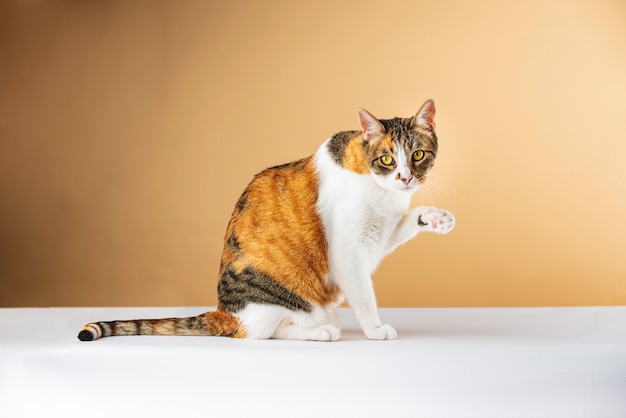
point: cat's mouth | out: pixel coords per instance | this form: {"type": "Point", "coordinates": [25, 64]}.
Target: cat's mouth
{"type": "Point", "coordinates": [410, 187]}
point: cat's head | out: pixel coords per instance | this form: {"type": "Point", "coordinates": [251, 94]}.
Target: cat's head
{"type": "Point", "coordinates": [400, 152]}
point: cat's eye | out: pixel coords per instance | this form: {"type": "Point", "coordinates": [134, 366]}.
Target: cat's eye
{"type": "Point", "coordinates": [418, 155]}
{"type": "Point", "coordinates": [387, 160]}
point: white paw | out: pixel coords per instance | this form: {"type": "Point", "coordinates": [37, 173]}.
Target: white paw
{"type": "Point", "coordinates": [383, 332]}
{"type": "Point", "coordinates": [435, 220]}
{"type": "Point", "coordinates": [329, 333]}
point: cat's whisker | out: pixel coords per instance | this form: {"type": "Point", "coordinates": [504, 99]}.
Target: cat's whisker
{"type": "Point", "coordinates": [452, 197]}
{"type": "Point", "coordinates": [445, 194]}
{"type": "Point", "coordinates": [442, 196]}
{"type": "Point", "coordinates": [439, 191]}
{"type": "Point", "coordinates": [448, 182]}
{"type": "Point", "coordinates": [444, 177]}
{"type": "Point", "coordinates": [423, 192]}
{"type": "Point", "coordinates": [429, 193]}
{"type": "Point", "coordinates": [426, 190]}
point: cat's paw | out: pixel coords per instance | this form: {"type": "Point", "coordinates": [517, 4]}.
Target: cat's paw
{"type": "Point", "coordinates": [329, 333]}
{"type": "Point", "coordinates": [383, 332]}
{"type": "Point", "coordinates": [435, 220]}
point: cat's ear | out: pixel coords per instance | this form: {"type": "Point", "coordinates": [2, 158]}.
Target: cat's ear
{"type": "Point", "coordinates": [425, 117]}
{"type": "Point", "coordinates": [371, 126]}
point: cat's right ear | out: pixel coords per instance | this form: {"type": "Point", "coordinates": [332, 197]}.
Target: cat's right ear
{"type": "Point", "coordinates": [371, 126]}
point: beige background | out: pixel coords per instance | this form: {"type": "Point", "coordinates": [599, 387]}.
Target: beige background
{"type": "Point", "coordinates": [129, 128]}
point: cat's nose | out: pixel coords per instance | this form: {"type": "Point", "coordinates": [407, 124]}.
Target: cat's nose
{"type": "Point", "coordinates": [406, 180]}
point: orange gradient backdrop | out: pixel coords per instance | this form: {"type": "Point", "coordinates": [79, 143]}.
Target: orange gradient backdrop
{"type": "Point", "coordinates": [129, 129]}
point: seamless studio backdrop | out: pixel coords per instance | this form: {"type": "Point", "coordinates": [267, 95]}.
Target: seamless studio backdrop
{"type": "Point", "coordinates": [129, 129]}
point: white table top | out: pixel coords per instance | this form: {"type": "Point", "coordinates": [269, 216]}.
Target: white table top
{"type": "Point", "coordinates": [496, 362]}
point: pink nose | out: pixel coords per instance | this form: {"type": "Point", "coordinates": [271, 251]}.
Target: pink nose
{"type": "Point", "coordinates": [407, 180]}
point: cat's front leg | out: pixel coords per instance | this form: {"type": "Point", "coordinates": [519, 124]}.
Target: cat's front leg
{"type": "Point", "coordinates": [421, 219]}
{"type": "Point", "coordinates": [356, 284]}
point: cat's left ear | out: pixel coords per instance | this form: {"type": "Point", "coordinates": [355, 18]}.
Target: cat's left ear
{"type": "Point", "coordinates": [371, 126]}
{"type": "Point", "coordinates": [425, 117]}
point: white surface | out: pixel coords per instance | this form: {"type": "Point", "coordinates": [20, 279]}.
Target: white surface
{"type": "Point", "coordinates": [539, 362]}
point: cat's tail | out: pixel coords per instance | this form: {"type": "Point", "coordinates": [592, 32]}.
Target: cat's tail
{"type": "Point", "coordinates": [218, 323]}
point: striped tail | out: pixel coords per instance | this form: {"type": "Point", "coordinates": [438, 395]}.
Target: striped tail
{"type": "Point", "coordinates": [217, 323]}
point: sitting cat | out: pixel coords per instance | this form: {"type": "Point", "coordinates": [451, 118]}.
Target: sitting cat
{"type": "Point", "coordinates": [305, 235]}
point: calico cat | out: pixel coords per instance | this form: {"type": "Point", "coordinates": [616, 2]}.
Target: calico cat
{"type": "Point", "coordinates": [305, 235]}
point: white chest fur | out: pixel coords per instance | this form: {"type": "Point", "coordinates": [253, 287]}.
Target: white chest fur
{"type": "Point", "coordinates": [359, 216]}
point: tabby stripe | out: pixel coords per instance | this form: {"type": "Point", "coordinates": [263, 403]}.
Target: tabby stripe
{"type": "Point", "coordinates": [236, 290]}
{"type": "Point", "coordinates": [95, 330]}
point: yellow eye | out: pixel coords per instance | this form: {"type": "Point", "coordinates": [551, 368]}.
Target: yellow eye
{"type": "Point", "coordinates": [386, 160]}
{"type": "Point", "coordinates": [418, 155]}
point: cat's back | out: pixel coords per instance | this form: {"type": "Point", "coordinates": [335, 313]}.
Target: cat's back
{"type": "Point", "coordinates": [278, 202]}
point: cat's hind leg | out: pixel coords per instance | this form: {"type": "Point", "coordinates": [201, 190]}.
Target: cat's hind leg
{"type": "Point", "coordinates": [292, 331]}
{"type": "Point", "coordinates": [270, 321]}
{"type": "Point", "coordinates": [319, 325]}
{"type": "Point", "coordinates": [261, 321]}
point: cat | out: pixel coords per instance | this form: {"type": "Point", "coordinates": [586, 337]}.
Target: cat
{"type": "Point", "coordinates": [306, 235]}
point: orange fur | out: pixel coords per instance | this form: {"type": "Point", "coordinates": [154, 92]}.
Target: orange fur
{"type": "Point", "coordinates": [387, 144]}
{"type": "Point", "coordinates": [353, 157]}
{"type": "Point", "coordinates": [283, 237]}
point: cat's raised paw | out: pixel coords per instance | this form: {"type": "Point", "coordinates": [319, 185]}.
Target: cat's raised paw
{"type": "Point", "coordinates": [435, 220]}
{"type": "Point", "coordinates": [383, 332]}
